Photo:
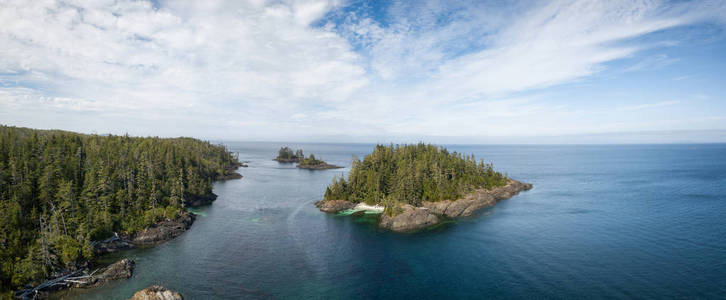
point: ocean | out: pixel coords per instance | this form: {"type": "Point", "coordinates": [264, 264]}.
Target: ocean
{"type": "Point", "coordinates": [602, 221]}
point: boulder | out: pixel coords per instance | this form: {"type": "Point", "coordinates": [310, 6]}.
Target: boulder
{"type": "Point", "coordinates": [156, 292]}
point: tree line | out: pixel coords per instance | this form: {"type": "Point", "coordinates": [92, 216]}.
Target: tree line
{"type": "Point", "coordinates": [412, 174]}
{"type": "Point", "coordinates": [59, 191]}
{"type": "Point", "coordinates": [286, 153]}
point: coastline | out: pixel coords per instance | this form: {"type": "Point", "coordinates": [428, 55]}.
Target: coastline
{"type": "Point", "coordinates": [154, 235]}
{"type": "Point", "coordinates": [411, 218]}
{"type": "Point", "coordinates": [324, 166]}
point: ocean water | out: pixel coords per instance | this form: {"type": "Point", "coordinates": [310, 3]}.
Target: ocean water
{"type": "Point", "coordinates": [620, 221]}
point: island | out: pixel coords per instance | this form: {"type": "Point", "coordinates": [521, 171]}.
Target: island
{"type": "Point", "coordinates": [312, 163]}
{"type": "Point", "coordinates": [67, 198]}
{"type": "Point", "coordinates": [417, 186]}
{"type": "Point", "coordinates": [286, 155]}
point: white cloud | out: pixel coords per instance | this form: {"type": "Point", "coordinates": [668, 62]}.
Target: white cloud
{"type": "Point", "coordinates": [258, 69]}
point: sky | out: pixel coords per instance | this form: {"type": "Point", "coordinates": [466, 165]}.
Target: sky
{"type": "Point", "coordinates": [369, 71]}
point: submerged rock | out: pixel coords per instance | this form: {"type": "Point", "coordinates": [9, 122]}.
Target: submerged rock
{"type": "Point", "coordinates": [156, 292]}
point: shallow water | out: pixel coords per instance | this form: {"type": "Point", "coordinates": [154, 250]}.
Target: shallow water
{"type": "Point", "coordinates": [637, 221]}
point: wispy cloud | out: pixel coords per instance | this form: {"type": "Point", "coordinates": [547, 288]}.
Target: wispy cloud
{"type": "Point", "coordinates": [257, 68]}
{"type": "Point", "coordinates": [649, 105]}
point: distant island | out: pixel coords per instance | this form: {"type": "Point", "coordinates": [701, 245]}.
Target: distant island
{"type": "Point", "coordinates": [286, 155]}
{"type": "Point", "coordinates": [315, 164]}
{"type": "Point", "coordinates": [67, 198]}
{"type": "Point", "coordinates": [417, 186]}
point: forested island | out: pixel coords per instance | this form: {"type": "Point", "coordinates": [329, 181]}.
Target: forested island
{"type": "Point", "coordinates": [66, 198]}
{"type": "Point", "coordinates": [286, 155]}
{"type": "Point", "coordinates": [418, 185]}
{"type": "Point", "coordinates": [312, 163]}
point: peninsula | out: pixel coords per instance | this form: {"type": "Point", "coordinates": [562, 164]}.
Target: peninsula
{"type": "Point", "coordinates": [67, 198]}
{"type": "Point", "coordinates": [418, 186]}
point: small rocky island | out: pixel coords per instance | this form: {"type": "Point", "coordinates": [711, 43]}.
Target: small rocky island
{"type": "Point", "coordinates": [312, 163]}
{"type": "Point", "coordinates": [286, 155]}
{"type": "Point", "coordinates": [418, 186]}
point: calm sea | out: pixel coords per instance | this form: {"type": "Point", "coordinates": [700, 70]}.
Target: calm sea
{"type": "Point", "coordinates": [634, 221]}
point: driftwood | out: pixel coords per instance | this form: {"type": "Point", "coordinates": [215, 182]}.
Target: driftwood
{"type": "Point", "coordinates": [62, 281]}
{"type": "Point", "coordinates": [31, 293]}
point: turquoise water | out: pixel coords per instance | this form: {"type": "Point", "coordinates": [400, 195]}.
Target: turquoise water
{"type": "Point", "coordinates": [638, 221]}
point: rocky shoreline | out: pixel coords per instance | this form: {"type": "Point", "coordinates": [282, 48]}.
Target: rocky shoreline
{"type": "Point", "coordinates": [411, 218]}
{"type": "Point", "coordinates": [324, 166]}
{"type": "Point", "coordinates": [287, 160]}
{"type": "Point", "coordinates": [153, 235]}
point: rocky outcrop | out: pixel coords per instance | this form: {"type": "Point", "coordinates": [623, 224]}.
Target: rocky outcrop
{"type": "Point", "coordinates": [156, 292]}
{"type": "Point", "coordinates": [152, 235]}
{"type": "Point", "coordinates": [411, 219]}
{"type": "Point", "coordinates": [229, 171]}
{"type": "Point", "coordinates": [196, 200]}
{"type": "Point", "coordinates": [163, 231]}
{"type": "Point", "coordinates": [113, 244]}
{"type": "Point", "coordinates": [122, 269]}
{"type": "Point", "coordinates": [332, 206]}
{"type": "Point", "coordinates": [476, 200]}
{"type": "Point", "coordinates": [407, 217]}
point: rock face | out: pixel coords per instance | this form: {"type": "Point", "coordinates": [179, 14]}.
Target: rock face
{"type": "Point", "coordinates": [332, 206]}
{"type": "Point", "coordinates": [156, 292]}
{"type": "Point", "coordinates": [412, 218]}
{"type": "Point", "coordinates": [163, 231]}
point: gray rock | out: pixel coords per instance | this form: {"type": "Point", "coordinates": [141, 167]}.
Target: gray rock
{"type": "Point", "coordinates": [122, 269]}
{"type": "Point", "coordinates": [163, 231]}
{"type": "Point", "coordinates": [156, 292]}
{"type": "Point", "coordinates": [332, 206]}
{"type": "Point", "coordinates": [412, 218]}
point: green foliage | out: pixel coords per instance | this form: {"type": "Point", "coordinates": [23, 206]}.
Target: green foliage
{"type": "Point", "coordinates": [412, 174]}
{"type": "Point", "coordinates": [60, 190]}
{"type": "Point", "coordinates": [311, 161]}
{"type": "Point", "coordinates": [286, 153]}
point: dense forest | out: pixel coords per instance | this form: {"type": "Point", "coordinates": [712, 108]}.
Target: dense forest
{"type": "Point", "coordinates": [59, 191]}
{"type": "Point", "coordinates": [287, 155]}
{"type": "Point", "coordinates": [412, 174]}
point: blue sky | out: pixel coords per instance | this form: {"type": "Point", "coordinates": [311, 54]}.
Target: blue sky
{"type": "Point", "coordinates": [369, 71]}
